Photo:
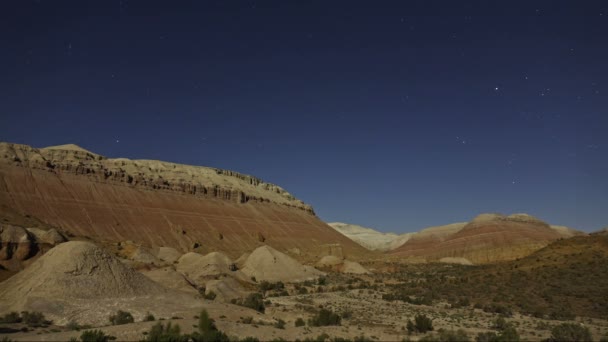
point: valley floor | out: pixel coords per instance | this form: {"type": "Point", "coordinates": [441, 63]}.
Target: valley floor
{"type": "Point", "coordinates": [364, 313]}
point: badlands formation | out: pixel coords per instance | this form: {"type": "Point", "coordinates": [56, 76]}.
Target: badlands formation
{"type": "Point", "coordinates": [487, 238]}
{"type": "Point", "coordinates": [159, 204]}
{"type": "Point", "coordinates": [83, 236]}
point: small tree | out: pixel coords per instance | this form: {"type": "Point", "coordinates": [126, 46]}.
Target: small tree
{"type": "Point", "coordinates": [570, 332]}
{"type": "Point", "coordinates": [205, 324]}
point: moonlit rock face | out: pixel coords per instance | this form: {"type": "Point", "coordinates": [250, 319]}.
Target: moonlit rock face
{"type": "Point", "coordinates": [156, 203]}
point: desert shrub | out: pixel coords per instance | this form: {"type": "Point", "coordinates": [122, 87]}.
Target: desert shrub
{"type": "Point", "coordinates": [254, 301]}
{"type": "Point", "coordinates": [299, 322]}
{"type": "Point", "coordinates": [210, 296]}
{"type": "Point", "coordinates": [562, 314]}
{"type": "Point", "coordinates": [322, 281]}
{"type": "Point", "coordinates": [410, 326]}
{"type": "Point", "coordinates": [447, 336]}
{"type": "Point", "coordinates": [250, 339]}
{"type": "Point", "coordinates": [95, 336]}
{"type": "Point", "coordinates": [500, 323]}
{"type": "Point", "coordinates": [324, 318]}
{"type": "Point", "coordinates": [34, 319]}
{"type": "Point", "coordinates": [423, 323]}
{"type": "Point", "coordinates": [508, 334]}
{"type": "Point", "coordinates": [169, 332]}
{"type": "Point", "coordinates": [121, 317]}
{"type": "Point", "coordinates": [149, 317]}
{"type": "Point", "coordinates": [499, 309]}
{"type": "Point", "coordinates": [302, 290]}
{"type": "Point", "coordinates": [362, 339]}
{"type": "Point", "coordinates": [570, 332]}
{"type": "Point", "coordinates": [488, 336]}
{"type": "Point", "coordinates": [72, 325]}
{"type": "Point", "coordinates": [280, 324]}
{"type": "Point", "coordinates": [11, 317]}
{"type": "Point", "coordinates": [267, 286]}
{"type": "Point", "coordinates": [247, 320]}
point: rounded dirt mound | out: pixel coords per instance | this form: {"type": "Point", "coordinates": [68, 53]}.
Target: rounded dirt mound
{"type": "Point", "coordinates": [82, 282]}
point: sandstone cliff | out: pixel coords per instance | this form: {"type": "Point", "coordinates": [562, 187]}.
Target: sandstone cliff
{"type": "Point", "coordinates": [157, 204]}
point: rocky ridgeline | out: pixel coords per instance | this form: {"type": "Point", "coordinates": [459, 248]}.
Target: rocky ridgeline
{"type": "Point", "coordinates": [149, 174]}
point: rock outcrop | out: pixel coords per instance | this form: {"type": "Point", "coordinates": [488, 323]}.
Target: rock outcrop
{"type": "Point", "coordinates": [19, 246]}
{"type": "Point", "coordinates": [158, 204]}
{"type": "Point", "coordinates": [336, 264]}
{"type": "Point", "coordinates": [266, 263]}
{"type": "Point", "coordinates": [487, 238]}
{"type": "Point", "coordinates": [370, 238]}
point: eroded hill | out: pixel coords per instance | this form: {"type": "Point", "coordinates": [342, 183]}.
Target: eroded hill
{"type": "Point", "coordinates": [156, 203]}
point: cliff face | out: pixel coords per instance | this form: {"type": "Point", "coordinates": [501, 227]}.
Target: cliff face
{"type": "Point", "coordinates": [487, 238]}
{"type": "Point", "coordinates": [157, 203]}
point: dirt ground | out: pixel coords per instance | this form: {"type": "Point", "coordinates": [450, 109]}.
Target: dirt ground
{"type": "Point", "coordinates": [366, 314]}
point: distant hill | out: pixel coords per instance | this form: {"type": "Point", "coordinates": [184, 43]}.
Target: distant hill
{"type": "Point", "coordinates": [487, 238]}
{"type": "Point", "coordinates": [370, 238]}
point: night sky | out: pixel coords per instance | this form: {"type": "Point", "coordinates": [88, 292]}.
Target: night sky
{"type": "Point", "coordinates": [394, 115]}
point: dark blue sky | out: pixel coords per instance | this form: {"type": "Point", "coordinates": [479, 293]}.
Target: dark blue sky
{"type": "Point", "coordinates": [395, 115]}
